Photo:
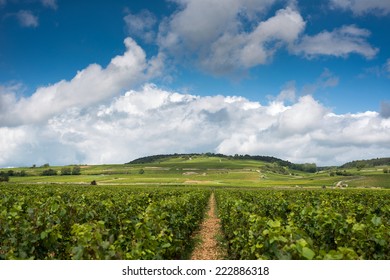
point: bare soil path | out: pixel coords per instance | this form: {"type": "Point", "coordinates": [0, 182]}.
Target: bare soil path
{"type": "Point", "coordinates": [208, 248]}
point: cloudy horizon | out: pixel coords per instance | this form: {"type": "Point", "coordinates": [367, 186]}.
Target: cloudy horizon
{"type": "Point", "coordinates": [258, 77]}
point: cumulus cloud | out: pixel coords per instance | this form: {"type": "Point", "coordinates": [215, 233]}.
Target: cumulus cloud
{"type": "Point", "coordinates": [226, 37]}
{"type": "Point", "coordinates": [154, 121]}
{"type": "Point", "coordinates": [27, 19]}
{"type": "Point", "coordinates": [91, 85]}
{"type": "Point", "coordinates": [213, 33]}
{"type": "Point", "coordinates": [340, 43]}
{"type": "Point", "coordinates": [11, 139]}
{"type": "Point", "coordinates": [141, 25]}
{"type": "Point", "coordinates": [360, 7]}
{"type": "Point", "coordinates": [287, 94]}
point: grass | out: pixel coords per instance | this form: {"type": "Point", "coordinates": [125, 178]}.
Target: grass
{"type": "Point", "coordinates": [203, 170]}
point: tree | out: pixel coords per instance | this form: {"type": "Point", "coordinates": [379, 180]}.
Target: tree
{"type": "Point", "coordinates": [4, 177]}
{"type": "Point", "coordinates": [49, 172]}
{"type": "Point", "coordinates": [66, 171]}
{"type": "Point", "coordinates": [76, 170]}
{"type": "Point", "coordinates": [360, 165]}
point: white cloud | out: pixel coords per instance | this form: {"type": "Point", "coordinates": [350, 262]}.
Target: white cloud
{"type": "Point", "coordinates": [286, 95]}
{"type": "Point", "coordinates": [27, 19]}
{"type": "Point", "coordinates": [141, 25]}
{"type": "Point", "coordinates": [10, 141]}
{"type": "Point", "coordinates": [304, 116]}
{"type": "Point", "coordinates": [155, 121]}
{"type": "Point", "coordinates": [227, 37]}
{"type": "Point", "coordinates": [213, 33]}
{"type": "Point", "coordinates": [91, 85]}
{"type": "Point", "coordinates": [255, 48]}
{"type": "Point", "coordinates": [340, 43]}
{"type": "Point", "coordinates": [360, 7]}
{"type": "Point", "coordinates": [50, 4]}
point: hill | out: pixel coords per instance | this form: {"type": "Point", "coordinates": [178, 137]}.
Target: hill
{"type": "Point", "coordinates": [204, 170]}
{"type": "Point", "coordinates": [306, 167]}
{"type": "Point", "coordinates": [156, 158]}
{"type": "Point", "coordinates": [367, 163]}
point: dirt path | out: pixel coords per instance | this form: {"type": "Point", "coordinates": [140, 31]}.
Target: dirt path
{"type": "Point", "coordinates": [208, 248]}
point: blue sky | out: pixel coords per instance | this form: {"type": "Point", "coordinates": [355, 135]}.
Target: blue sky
{"type": "Point", "coordinates": [306, 81]}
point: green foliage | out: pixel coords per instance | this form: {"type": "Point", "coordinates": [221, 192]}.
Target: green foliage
{"type": "Point", "coordinates": [76, 222]}
{"type": "Point", "coordinates": [343, 173]}
{"type": "Point", "coordinates": [76, 170]}
{"type": "Point", "coordinates": [13, 173]}
{"type": "Point", "coordinates": [305, 167]}
{"type": "Point", "coordinates": [49, 172]}
{"type": "Point", "coordinates": [66, 171]}
{"type": "Point", "coordinates": [295, 224]}
{"type": "Point", "coordinates": [274, 168]}
{"type": "Point", "coordinates": [158, 158]}
{"type": "Point", "coordinates": [367, 163]}
{"type": "Point", "coordinates": [4, 176]}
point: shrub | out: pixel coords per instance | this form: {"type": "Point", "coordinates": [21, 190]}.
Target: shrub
{"type": "Point", "coordinates": [66, 171]}
{"type": "Point", "coordinates": [4, 177]}
{"type": "Point", "coordinates": [76, 170]}
{"type": "Point", "coordinates": [49, 172]}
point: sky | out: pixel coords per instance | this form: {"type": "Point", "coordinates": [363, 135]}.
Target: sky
{"type": "Point", "coordinates": [94, 82]}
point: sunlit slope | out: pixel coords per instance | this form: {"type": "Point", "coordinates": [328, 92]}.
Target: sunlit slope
{"type": "Point", "coordinates": [211, 171]}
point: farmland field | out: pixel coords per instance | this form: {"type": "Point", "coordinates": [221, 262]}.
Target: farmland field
{"type": "Point", "coordinates": [316, 224]}
{"type": "Point", "coordinates": [205, 171]}
{"type": "Point", "coordinates": [72, 222]}
{"type": "Point", "coordinates": [154, 210]}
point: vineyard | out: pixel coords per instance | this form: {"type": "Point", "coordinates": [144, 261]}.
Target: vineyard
{"type": "Point", "coordinates": [74, 222]}
{"type": "Point", "coordinates": [317, 224]}
{"type": "Point", "coordinates": [119, 222]}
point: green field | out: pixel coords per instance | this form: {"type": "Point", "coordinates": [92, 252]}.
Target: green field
{"type": "Point", "coordinates": [268, 210]}
{"type": "Point", "coordinates": [206, 170]}
{"type": "Point", "coordinates": [62, 221]}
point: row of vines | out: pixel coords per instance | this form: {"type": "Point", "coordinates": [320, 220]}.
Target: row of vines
{"type": "Point", "coordinates": [80, 222]}
{"type": "Point", "coordinates": [292, 224]}
{"type": "Point", "coordinates": [76, 222]}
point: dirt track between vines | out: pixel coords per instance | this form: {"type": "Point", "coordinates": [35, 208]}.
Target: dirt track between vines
{"type": "Point", "coordinates": [208, 248]}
